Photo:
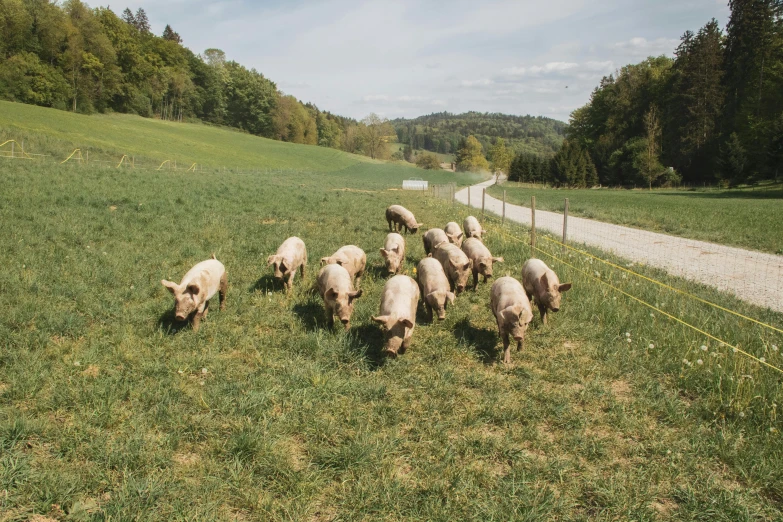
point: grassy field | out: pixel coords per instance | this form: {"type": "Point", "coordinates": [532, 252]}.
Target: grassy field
{"type": "Point", "coordinates": [744, 218]}
{"type": "Point", "coordinates": [110, 410]}
{"type": "Point", "coordinates": [444, 158]}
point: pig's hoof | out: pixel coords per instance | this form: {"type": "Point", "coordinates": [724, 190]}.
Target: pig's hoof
{"type": "Point", "coordinates": [391, 353]}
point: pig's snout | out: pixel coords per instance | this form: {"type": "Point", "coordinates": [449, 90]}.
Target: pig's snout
{"type": "Point", "coordinates": [441, 316]}
{"type": "Point", "coordinates": [519, 338]}
{"type": "Point", "coordinates": [346, 323]}
{"type": "Point", "coordinates": [181, 317]}
{"type": "Point", "coordinates": [460, 288]}
{"type": "Point", "coordinates": [555, 309]}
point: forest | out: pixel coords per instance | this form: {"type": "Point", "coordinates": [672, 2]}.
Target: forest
{"type": "Point", "coordinates": [713, 114]}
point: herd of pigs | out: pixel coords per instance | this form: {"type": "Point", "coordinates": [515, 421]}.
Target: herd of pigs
{"type": "Point", "coordinates": [452, 254]}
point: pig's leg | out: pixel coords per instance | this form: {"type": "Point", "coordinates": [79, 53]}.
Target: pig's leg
{"type": "Point", "coordinates": [429, 310]}
{"type": "Point", "coordinates": [506, 349]}
{"type": "Point", "coordinates": [475, 279]}
{"type": "Point", "coordinates": [542, 310]}
{"type": "Point", "coordinates": [289, 282]}
{"type": "Point", "coordinates": [519, 345]}
{"type": "Point", "coordinates": [358, 279]}
{"type": "Point", "coordinates": [205, 311]}
{"type": "Point", "coordinates": [389, 221]}
{"type": "Point", "coordinates": [302, 270]}
{"type": "Point", "coordinates": [196, 321]}
{"type": "Point", "coordinates": [329, 316]}
{"type": "Point", "coordinates": [222, 291]}
{"type": "Point", "coordinates": [406, 342]}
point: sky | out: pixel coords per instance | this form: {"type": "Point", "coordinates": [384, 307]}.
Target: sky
{"type": "Point", "coordinates": [412, 57]}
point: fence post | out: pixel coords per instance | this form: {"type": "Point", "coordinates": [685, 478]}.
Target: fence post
{"type": "Point", "coordinates": [533, 225]}
{"type": "Point", "coordinates": [504, 209]}
{"type": "Point", "coordinates": [483, 201]}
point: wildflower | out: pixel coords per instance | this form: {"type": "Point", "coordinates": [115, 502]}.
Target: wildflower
{"type": "Point", "coordinates": [762, 359]}
{"type": "Point", "coordinates": [628, 334]}
{"type": "Point", "coordinates": [204, 371]}
{"type": "Point", "coordinates": [414, 271]}
{"type": "Point", "coordinates": [699, 362]}
{"type": "Point", "coordinates": [180, 372]}
{"type": "Point", "coordinates": [772, 430]}
{"type": "Point", "coordinates": [132, 287]}
{"type": "Point", "coordinates": [774, 347]}
{"type": "Point", "coordinates": [597, 274]}
{"type": "Point", "coordinates": [703, 348]}
{"type": "Point", "coordinates": [77, 363]}
{"type": "Point", "coordinates": [734, 350]}
{"type": "Point", "coordinates": [652, 346]}
{"type": "Point", "coordinates": [629, 341]}
{"type": "Point", "coordinates": [652, 314]}
{"type": "Point", "coordinates": [201, 383]}
{"type": "Point", "coordinates": [269, 294]}
{"type": "Point", "coordinates": [742, 414]}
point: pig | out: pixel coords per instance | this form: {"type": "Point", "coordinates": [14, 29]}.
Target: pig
{"type": "Point", "coordinates": [335, 288]}
{"type": "Point", "coordinates": [434, 287]}
{"type": "Point", "coordinates": [454, 233]}
{"type": "Point", "coordinates": [291, 255]}
{"type": "Point", "coordinates": [481, 258]}
{"type": "Point", "coordinates": [192, 295]}
{"type": "Point", "coordinates": [542, 285]}
{"type": "Point", "coordinates": [399, 300]}
{"type": "Point", "coordinates": [402, 217]}
{"type": "Point", "coordinates": [433, 237]}
{"type": "Point", "coordinates": [512, 310]}
{"type": "Point", "coordinates": [350, 257]}
{"type": "Point", "coordinates": [473, 228]}
{"type": "Point", "coordinates": [393, 252]}
{"type": "Point", "coordinates": [455, 263]}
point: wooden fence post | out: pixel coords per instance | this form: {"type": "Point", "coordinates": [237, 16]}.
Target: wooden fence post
{"type": "Point", "coordinates": [565, 222]}
{"type": "Point", "coordinates": [504, 209]}
{"type": "Point", "coordinates": [483, 201]}
{"type": "Point", "coordinates": [533, 225]}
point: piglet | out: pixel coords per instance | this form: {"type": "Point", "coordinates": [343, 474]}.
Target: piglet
{"type": "Point", "coordinates": [454, 233]}
{"type": "Point", "coordinates": [399, 301]}
{"type": "Point", "coordinates": [291, 255]}
{"type": "Point", "coordinates": [393, 252]}
{"type": "Point", "coordinates": [350, 257]}
{"type": "Point", "coordinates": [335, 288]}
{"type": "Point", "coordinates": [401, 217]}
{"type": "Point", "coordinates": [473, 228]}
{"type": "Point", "coordinates": [543, 286]}
{"type": "Point", "coordinates": [434, 287]}
{"type": "Point", "coordinates": [481, 259]}
{"type": "Point", "coordinates": [192, 295]}
{"type": "Point", "coordinates": [511, 307]}
{"type": "Point", "coordinates": [432, 237]}
{"type": "Point", "coordinates": [455, 263]}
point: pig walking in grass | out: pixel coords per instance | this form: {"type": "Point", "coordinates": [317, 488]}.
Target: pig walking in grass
{"type": "Point", "coordinates": [473, 228]}
{"type": "Point", "coordinates": [480, 258]}
{"type": "Point", "coordinates": [454, 233]}
{"type": "Point", "coordinates": [401, 217]}
{"type": "Point", "coordinates": [511, 307]}
{"type": "Point", "coordinates": [393, 253]}
{"type": "Point", "coordinates": [455, 263]}
{"type": "Point", "coordinates": [434, 287]}
{"type": "Point", "coordinates": [399, 301]}
{"type": "Point", "coordinates": [291, 255]}
{"type": "Point", "coordinates": [335, 288]}
{"type": "Point", "coordinates": [432, 237]}
{"type": "Point", "coordinates": [192, 295]}
{"type": "Point", "coordinates": [350, 257]}
{"type": "Point", "coordinates": [543, 286]}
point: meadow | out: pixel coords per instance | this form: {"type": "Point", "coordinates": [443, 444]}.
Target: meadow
{"type": "Point", "coordinates": [109, 409]}
{"type": "Point", "coordinates": [744, 218]}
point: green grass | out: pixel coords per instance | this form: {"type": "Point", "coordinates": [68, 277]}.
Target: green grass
{"type": "Point", "coordinates": [443, 158]}
{"type": "Point", "coordinates": [105, 411]}
{"type": "Point", "coordinates": [743, 218]}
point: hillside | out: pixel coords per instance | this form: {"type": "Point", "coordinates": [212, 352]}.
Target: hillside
{"type": "Point", "coordinates": [441, 132]}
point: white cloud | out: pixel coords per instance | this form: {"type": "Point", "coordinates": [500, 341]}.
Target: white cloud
{"type": "Point", "coordinates": [639, 46]}
{"type": "Point", "coordinates": [483, 82]}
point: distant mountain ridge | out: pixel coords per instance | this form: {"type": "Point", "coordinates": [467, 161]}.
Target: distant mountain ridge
{"type": "Point", "coordinates": [442, 131]}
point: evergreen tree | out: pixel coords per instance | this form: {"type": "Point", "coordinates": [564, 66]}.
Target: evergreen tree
{"type": "Point", "coordinates": [141, 22]}
{"type": "Point", "coordinates": [732, 161]}
{"type": "Point", "coordinates": [171, 35]}
{"type": "Point", "coordinates": [128, 18]}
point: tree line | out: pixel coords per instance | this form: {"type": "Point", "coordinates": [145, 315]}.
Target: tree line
{"type": "Point", "coordinates": [71, 57]}
{"type": "Point", "coordinates": [713, 113]}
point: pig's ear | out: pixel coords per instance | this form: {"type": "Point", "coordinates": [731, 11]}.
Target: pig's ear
{"type": "Point", "coordinates": [339, 262]}
{"type": "Point", "coordinates": [194, 289]}
{"type": "Point", "coordinates": [406, 322]}
{"type": "Point", "coordinates": [330, 294]}
{"type": "Point", "coordinates": [324, 260]}
{"type": "Point", "coordinates": [509, 315]}
{"type": "Point", "coordinates": [565, 287]}
{"type": "Point", "coordinates": [482, 264]}
{"type": "Point", "coordinates": [545, 280]}
{"type": "Point", "coordinates": [396, 249]}
{"type": "Point", "coordinates": [173, 287]}
{"type": "Point", "coordinates": [419, 225]}
{"type": "Point", "coordinates": [382, 320]}
{"type": "Point", "coordinates": [498, 260]}
{"type": "Point", "coordinates": [460, 235]}
{"type": "Point", "coordinates": [270, 260]}
{"type": "Point", "coordinates": [384, 252]}
{"type": "Point", "coordinates": [467, 265]}
{"type": "Point", "coordinates": [450, 297]}
{"type": "Point", "coordinates": [355, 295]}
{"type": "Point", "coordinates": [429, 255]}
{"type": "Point", "coordinates": [526, 317]}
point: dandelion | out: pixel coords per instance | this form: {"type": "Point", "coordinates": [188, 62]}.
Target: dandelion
{"type": "Point", "coordinates": [629, 341]}
{"type": "Point", "coordinates": [685, 361]}
{"type": "Point", "coordinates": [180, 372]}
{"type": "Point", "coordinates": [774, 347]}
{"type": "Point", "coordinates": [652, 314]}
{"type": "Point", "coordinates": [104, 253]}
{"type": "Point", "coordinates": [699, 362]}
{"type": "Point", "coordinates": [132, 287]}
{"type": "Point", "coordinates": [204, 371]}
{"type": "Point", "coordinates": [628, 334]}
{"type": "Point", "coordinates": [414, 271]}
{"type": "Point", "coordinates": [651, 346]}
{"type": "Point", "coordinates": [762, 359]}
{"type": "Point", "coordinates": [742, 414]}
{"type": "Point", "coordinates": [269, 294]}
{"type": "Point", "coordinates": [201, 383]}
{"type": "Point", "coordinates": [77, 363]}
{"type": "Point", "coordinates": [703, 348]}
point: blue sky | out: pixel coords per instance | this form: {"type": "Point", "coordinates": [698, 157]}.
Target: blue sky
{"type": "Point", "coordinates": [409, 58]}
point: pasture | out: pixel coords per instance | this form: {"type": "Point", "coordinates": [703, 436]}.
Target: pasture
{"type": "Point", "coordinates": [744, 218]}
{"type": "Point", "coordinates": [110, 409]}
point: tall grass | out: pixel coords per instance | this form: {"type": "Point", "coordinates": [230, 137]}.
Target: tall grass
{"type": "Point", "coordinates": [108, 408]}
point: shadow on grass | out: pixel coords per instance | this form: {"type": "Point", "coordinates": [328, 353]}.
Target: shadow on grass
{"type": "Point", "coordinates": [268, 283]}
{"type": "Point", "coordinates": [728, 194]}
{"type": "Point", "coordinates": [169, 324]}
{"type": "Point", "coordinates": [481, 340]}
{"type": "Point", "coordinates": [367, 341]}
{"type": "Point", "coordinates": [378, 272]}
{"type": "Point", "coordinates": [312, 315]}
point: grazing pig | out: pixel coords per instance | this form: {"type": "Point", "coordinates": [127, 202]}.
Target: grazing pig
{"type": "Point", "coordinates": [512, 310]}
{"type": "Point", "coordinates": [192, 295]}
{"type": "Point", "coordinates": [335, 288]}
{"type": "Point", "coordinates": [473, 228]}
{"type": "Point", "coordinates": [291, 255]}
{"type": "Point", "coordinates": [350, 257]}
{"type": "Point", "coordinates": [399, 300]}
{"type": "Point", "coordinates": [434, 287]}
{"type": "Point", "coordinates": [454, 233]}
{"type": "Point", "coordinates": [542, 285]}
{"type": "Point", "coordinates": [393, 252]}
{"type": "Point", "coordinates": [481, 258]}
{"type": "Point", "coordinates": [434, 236]}
{"type": "Point", "coordinates": [401, 217]}
{"type": "Point", "coordinates": [455, 263]}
